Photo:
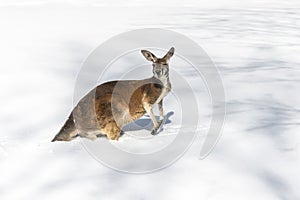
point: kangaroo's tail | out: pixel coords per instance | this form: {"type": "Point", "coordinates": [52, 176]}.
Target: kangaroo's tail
{"type": "Point", "coordinates": [67, 132]}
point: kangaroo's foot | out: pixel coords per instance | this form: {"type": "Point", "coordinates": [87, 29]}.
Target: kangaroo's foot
{"type": "Point", "coordinates": [113, 135]}
{"type": "Point", "coordinates": [112, 131]}
{"type": "Point", "coordinates": [157, 129]}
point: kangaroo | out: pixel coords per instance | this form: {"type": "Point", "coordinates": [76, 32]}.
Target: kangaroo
{"type": "Point", "coordinates": [111, 105]}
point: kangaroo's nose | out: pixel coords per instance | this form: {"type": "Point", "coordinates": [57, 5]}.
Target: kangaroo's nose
{"type": "Point", "coordinates": [158, 72]}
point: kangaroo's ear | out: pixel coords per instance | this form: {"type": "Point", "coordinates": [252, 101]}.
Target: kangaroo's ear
{"type": "Point", "coordinates": [169, 54]}
{"type": "Point", "coordinates": [149, 56]}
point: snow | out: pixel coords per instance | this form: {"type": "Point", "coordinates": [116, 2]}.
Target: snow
{"type": "Point", "coordinates": [255, 45]}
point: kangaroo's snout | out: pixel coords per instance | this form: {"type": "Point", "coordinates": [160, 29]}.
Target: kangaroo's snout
{"type": "Point", "coordinates": [158, 72]}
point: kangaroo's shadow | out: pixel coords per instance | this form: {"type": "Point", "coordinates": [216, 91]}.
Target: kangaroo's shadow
{"type": "Point", "coordinates": [146, 123]}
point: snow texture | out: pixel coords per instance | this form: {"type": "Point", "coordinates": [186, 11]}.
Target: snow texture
{"type": "Point", "coordinates": [255, 45]}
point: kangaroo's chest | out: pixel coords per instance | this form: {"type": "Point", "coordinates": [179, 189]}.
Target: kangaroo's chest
{"type": "Point", "coordinates": [164, 92]}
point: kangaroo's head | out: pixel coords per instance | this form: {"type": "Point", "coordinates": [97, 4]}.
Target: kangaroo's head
{"type": "Point", "coordinates": [160, 65]}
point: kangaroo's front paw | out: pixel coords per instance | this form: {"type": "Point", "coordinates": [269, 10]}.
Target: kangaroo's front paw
{"type": "Point", "coordinates": [156, 130]}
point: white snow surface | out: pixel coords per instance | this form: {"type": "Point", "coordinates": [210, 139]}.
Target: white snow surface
{"type": "Point", "coordinates": [254, 44]}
